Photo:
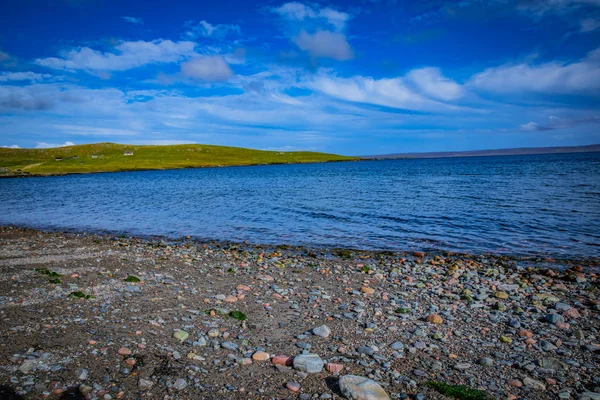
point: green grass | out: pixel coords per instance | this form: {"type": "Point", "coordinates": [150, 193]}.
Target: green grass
{"type": "Point", "coordinates": [80, 295]}
{"type": "Point", "coordinates": [109, 157]}
{"type": "Point", "coordinates": [459, 392]}
{"type": "Point", "coordinates": [240, 316]}
{"type": "Point", "coordinates": [47, 272]}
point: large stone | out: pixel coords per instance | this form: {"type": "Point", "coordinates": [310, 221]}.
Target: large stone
{"type": "Point", "coordinates": [145, 384]}
{"type": "Point", "coordinates": [310, 363]}
{"type": "Point", "coordinates": [532, 383]}
{"type": "Point", "coordinates": [322, 331]}
{"type": "Point", "coordinates": [360, 388]}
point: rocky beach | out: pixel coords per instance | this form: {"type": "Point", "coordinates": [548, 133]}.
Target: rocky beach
{"type": "Point", "coordinates": [113, 317]}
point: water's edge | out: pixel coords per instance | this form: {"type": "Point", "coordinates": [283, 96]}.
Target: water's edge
{"type": "Point", "coordinates": [520, 261]}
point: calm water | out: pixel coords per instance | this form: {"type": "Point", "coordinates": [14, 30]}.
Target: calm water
{"type": "Point", "coordinates": [519, 205]}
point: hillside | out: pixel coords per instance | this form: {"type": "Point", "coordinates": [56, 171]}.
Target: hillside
{"type": "Point", "coordinates": [111, 157]}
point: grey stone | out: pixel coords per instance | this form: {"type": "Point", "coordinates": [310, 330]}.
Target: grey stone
{"type": "Point", "coordinates": [229, 346]}
{"type": "Point", "coordinates": [144, 384]}
{"type": "Point", "coordinates": [322, 331]}
{"type": "Point", "coordinates": [366, 350]}
{"type": "Point", "coordinates": [360, 388]}
{"type": "Point", "coordinates": [82, 374]}
{"type": "Point", "coordinates": [180, 384]}
{"type": "Point", "coordinates": [486, 361]}
{"type": "Point", "coordinates": [534, 384]}
{"type": "Point", "coordinates": [397, 346]}
{"type": "Point", "coordinates": [589, 396]}
{"type": "Point", "coordinates": [310, 363]}
{"type": "Point", "coordinates": [554, 318]}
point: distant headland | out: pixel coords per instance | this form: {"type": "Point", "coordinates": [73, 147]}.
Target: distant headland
{"type": "Point", "coordinates": [497, 152]}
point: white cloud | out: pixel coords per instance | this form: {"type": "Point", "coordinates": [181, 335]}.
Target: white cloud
{"type": "Point", "coordinates": [13, 146]}
{"type": "Point", "coordinates": [431, 83]}
{"type": "Point", "coordinates": [207, 68]}
{"type": "Point", "coordinates": [294, 11]}
{"type": "Point", "coordinates": [582, 77]}
{"type": "Point", "coordinates": [540, 7]}
{"type": "Point", "coordinates": [4, 56]}
{"type": "Point", "coordinates": [23, 76]}
{"type": "Point", "coordinates": [127, 55]}
{"type": "Point", "coordinates": [133, 20]}
{"type": "Point", "coordinates": [44, 145]}
{"type": "Point", "coordinates": [589, 25]}
{"type": "Point", "coordinates": [324, 44]}
{"type": "Point", "coordinates": [205, 29]}
{"type": "Point", "coordinates": [529, 127]}
{"type": "Point", "coordinates": [389, 92]}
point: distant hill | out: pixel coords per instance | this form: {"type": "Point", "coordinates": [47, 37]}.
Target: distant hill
{"type": "Point", "coordinates": [111, 157]}
{"type": "Point", "coordinates": [499, 152]}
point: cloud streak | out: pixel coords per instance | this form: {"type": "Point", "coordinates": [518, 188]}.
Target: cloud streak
{"type": "Point", "coordinates": [126, 55]}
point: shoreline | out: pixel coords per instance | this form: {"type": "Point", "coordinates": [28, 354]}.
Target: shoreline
{"type": "Point", "coordinates": [30, 175]}
{"type": "Point", "coordinates": [543, 261]}
{"type": "Point", "coordinates": [97, 315]}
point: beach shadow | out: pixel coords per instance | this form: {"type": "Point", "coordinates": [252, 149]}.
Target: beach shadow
{"type": "Point", "coordinates": [7, 393]}
{"type": "Point", "coordinates": [332, 383]}
{"type": "Point", "coordinates": [72, 393]}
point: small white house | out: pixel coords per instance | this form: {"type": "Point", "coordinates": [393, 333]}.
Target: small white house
{"type": "Point", "coordinates": [128, 153]}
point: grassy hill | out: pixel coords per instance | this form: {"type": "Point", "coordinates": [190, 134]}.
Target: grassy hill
{"type": "Point", "coordinates": [110, 157]}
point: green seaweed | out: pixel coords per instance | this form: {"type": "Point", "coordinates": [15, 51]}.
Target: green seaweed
{"type": "Point", "coordinates": [460, 392]}
{"type": "Point", "coordinates": [132, 278]}
{"type": "Point", "coordinates": [80, 295]}
{"type": "Point", "coordinates": [240, 316]}
{"type": "Point", "coordinates": [47, 272]}
{"type": "Point", "coordinates": [403, 310]}
{"type": "Point", "coordinates": [54, 280]}
{"type": "Point", "coordinates": [365, 269]}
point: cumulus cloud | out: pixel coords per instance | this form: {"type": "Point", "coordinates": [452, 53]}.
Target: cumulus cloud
{"type": "Point", "coordinates": [205, 29]}
{"type": "Point", "coordinates": [45, 145]}
{"type": "Point", "coordinates": [126, 55]}
{"type": "Point", "coordinates": [324, 44]}
{"type": "Point", "coordinates": [589, 25]}
{"type": "Point", "coordinates": [207, 68]}
{"type": "Point", "coordinates": [133, 20]}
{"type": "Point", "coordinates": [23, 76]}
{"type": "Point", "coordinates": [581, 77]}
{"type": "Point", "coordinates": [317, 31]}
{"type": "Point", "coordinates": [12, 146]}
{"type": "Point", "coordinates": [294, 11]}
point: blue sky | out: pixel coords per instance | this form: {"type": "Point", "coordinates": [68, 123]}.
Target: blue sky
{"type": "Point", "coordinates": [350, 77]}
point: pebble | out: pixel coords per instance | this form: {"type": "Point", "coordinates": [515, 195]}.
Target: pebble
{"type": "Point", "coordinates": [124, 351]}
{"type": "Point", "coordinates": [534, 384]}
{"type": "Point", "coordinates": [181, 335]}
{"type": "Point", "coordinates": [180, 384]}
{"type": "Point", "coordinates": [293, 386]}
{"type": "Point", "coordinates": [435, 319]}
{"type": "Point", "coordinates": [144, 384]}
{"type": "Point", "coordinates": [260, 356]}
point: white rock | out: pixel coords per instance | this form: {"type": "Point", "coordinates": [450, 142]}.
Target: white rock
{"type": "Point", "coordinates": [360, 388]}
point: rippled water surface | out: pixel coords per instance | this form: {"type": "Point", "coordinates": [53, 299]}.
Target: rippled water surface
{"type": "Point", "coordinates": [520, 205]}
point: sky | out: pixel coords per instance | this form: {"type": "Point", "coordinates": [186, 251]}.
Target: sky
{"type": "Point", "coordinates": [350, 77]}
